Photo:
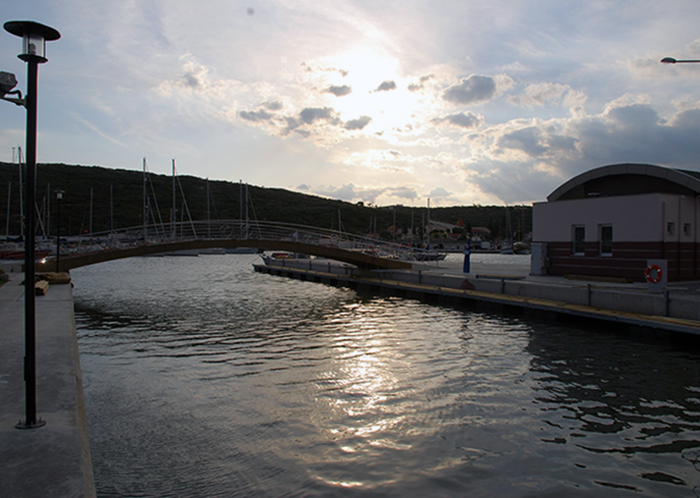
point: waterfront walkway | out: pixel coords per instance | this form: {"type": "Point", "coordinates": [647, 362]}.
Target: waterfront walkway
{"type": "Point", "coordinates": [54, 460]}
{"type": "Point", "coordinates": [676, 309]}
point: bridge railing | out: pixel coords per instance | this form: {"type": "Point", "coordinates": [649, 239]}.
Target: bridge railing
{"type": "Point", "coordinates": [237, 230]}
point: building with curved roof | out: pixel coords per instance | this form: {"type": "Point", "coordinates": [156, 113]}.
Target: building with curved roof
{"type": "Point", "coordinates": [612, 221]}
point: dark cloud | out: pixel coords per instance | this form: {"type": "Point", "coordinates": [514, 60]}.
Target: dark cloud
{"type": "Point", "coordinates": [514, 182]}
{"type": "Point", "coordinates": [471, 90]}
{"type": "Point", "coordinates": [311, 114]}
{"type": "Point", "coordinates": [386, 86]}
{"type": "Point", "coordinates": [635, 133]}
{"type": "Point", "coordinates": [190, 80]}
{"type": "Point", "coordinates": [528, 140]}
{"type": "Point", "coordinates": [357, 124]}
{"type": "Point", "coordinates": [273, 106]}
{"type": "Point", "coordinates": [339, 91]}
{"type": "Point", "coordinates": [256, 116]}
{"type": "Point", "coordinates": [623, 134]}
{"type": "Point", "coordinates": [414, 87]}
{"type": "Point", "coordinates": [464, 120]}
{"type": "Point", "coordinates": [292, 124]}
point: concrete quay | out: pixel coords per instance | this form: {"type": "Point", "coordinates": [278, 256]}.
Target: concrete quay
{"type": "Point", "coordinates": [54, 460]}
{"type": "Point", "coordinates": [676, 309]}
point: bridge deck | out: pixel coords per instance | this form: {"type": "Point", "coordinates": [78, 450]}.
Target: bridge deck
{"type": "Point", "coordinates": [358, 258]}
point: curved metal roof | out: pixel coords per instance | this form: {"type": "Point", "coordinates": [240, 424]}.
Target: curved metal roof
{"type": "Point", "coordinates": [628, 179]}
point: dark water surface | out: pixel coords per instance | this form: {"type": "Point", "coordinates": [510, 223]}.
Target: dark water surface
{"type": "Point", "coordinates": [205, 379]}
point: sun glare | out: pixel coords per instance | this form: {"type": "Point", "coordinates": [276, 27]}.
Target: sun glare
{"type": "Point", "coordinates": [378, 89]}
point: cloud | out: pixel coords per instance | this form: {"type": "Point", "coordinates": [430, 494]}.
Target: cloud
{"type": "Point", "coordinates": [357, 124]}
{"type": "Point", "coordinates": [339, 91]}
{"type": "Point", "coordinates": [311, 114]}
{"type": "Point", "coordinates": [471, 90]}
{"type": "Point", "coordinates": [543, 94]}
{"type": "Point", "coordinates": [527, 159]}
{"type": "Point", "coordinates": [467, 120]}
{"type": "Point", "coordinates": [351, 193]}
{"type": "Point", "coordinates": [414, 87]}
{"type": "Point", "coordinates": [273, 105]}
{"type": "Point", "coordinates": [403, 193]}
{"type": "Point", "coordinates": [528, 140]}
{"type": "Point", "coordinates": [255, 116]}
{"type": "Point", "coordinates": [190, 80]}
{"type": "Point", "coordinates": [439, 193]}
{"type": "Point", "coordinates": [386, 86]}
{"type": "Point", "coordinates": [347, 192]}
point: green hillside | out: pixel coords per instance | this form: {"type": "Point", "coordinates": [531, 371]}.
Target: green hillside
{"type": "Point", "coordinates": [266, 204]}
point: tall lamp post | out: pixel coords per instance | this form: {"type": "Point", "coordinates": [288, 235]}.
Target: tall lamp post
{"type": "Point", "coordinates": [59, 198]}
{"type": "Point", "coordinates": [34, 37]}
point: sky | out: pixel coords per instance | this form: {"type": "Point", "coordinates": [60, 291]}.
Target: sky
{"type": "Point", "coordinates": [452, 102]}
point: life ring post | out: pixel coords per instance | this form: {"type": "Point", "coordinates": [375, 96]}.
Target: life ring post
{"type": "Point", "coordinates": [656, 274]}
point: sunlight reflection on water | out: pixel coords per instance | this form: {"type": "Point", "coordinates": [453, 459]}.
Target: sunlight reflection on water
{"type": "Point", "coordinates": [203, 378]}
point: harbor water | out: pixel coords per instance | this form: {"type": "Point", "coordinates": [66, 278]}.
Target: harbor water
{"type": "Point", "coordinates": [203, 378]}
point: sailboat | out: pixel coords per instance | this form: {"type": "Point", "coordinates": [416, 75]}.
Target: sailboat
{"type": "Point", "coordinates": [245, 228]}
{"type": "Point", "coordinates": [510, 247]}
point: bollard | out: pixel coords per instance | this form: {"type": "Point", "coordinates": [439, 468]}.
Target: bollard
{"type": "Point", "coordinates": [466, 252]}
{"type": "Point", "coordinates": [589, 291]}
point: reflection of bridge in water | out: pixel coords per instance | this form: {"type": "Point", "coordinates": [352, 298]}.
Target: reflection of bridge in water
{"type": "Point", "coordinates": [363, 252]}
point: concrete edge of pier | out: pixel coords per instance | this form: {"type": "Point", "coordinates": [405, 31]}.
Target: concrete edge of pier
{"type": "Point", "coordinates": [631, 305]}
{"type": "Point", "coordinates": [54, 460]}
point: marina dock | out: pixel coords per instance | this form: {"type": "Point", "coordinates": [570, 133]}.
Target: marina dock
{"type": "Point", "coordinates": [54, 460]}
{"type": "Point", "coordinates": [631, 305]}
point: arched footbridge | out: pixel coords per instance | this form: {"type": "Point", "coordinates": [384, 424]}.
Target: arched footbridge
{"type": "Point", "coordinates": [366, 253]}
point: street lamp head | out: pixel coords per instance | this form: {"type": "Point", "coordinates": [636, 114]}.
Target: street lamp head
{"type": "Point", "coordinates": [7, 82]}
{"type": "Point", "coordinates": [668, 60]}
{"type": "Point", "coordinates": [59, 194]}
{"type": "Point", "coordinates": [34, 37]}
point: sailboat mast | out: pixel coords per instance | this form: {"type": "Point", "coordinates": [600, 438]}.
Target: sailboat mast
{"type": "Point", "coordinates": [246, 211]}
{"type": "Point", "coordinates": [208, 212]}
{"type": "Point", "coordinates": [47, 223]}
{"type": "Point", "coordinates": [174, 216]}
{"type": "Point", "coordinates": [111, 208]}
{"type": "Point", "coordinates": [144, 218]}
{"type": "Point", "coordinates": [91, 198]}
{"type": "Point", "coordinates": [428, 225]}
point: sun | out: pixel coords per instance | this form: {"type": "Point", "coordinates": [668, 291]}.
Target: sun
{"type": "Point", "coordinates": [379, 90]}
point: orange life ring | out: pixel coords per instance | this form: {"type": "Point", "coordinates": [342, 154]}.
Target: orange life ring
{"type": "Point", "coordinates": [656, 278]}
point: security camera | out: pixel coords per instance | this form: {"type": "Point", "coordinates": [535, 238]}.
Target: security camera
{"type": "Point", "coordinates": [7, 82]}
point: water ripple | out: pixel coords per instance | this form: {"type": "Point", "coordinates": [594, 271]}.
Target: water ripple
{"type": "Point", "coordinates": [218, 381]}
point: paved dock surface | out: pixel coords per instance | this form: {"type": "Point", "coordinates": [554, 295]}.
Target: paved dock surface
{"type": "Point", "coordinates": [54, 460]}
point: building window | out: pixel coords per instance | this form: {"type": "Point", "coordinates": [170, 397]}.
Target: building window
{"type": "Point", "coordinates": [606, 240]}
{"type": "Point", "coordinates": [687, 230]}
{"type": "Point", "coordinates": [671, 228]}
{"type": "Point", "coordinates": [579, 239]}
